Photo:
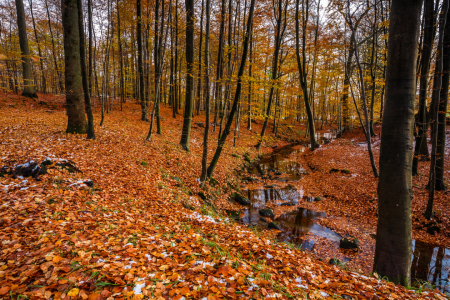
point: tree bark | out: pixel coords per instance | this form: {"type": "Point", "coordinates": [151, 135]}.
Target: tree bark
{"type": "Point", "coordinates": [207, 93]}
{"type": "Point", "coordinates": [76, 119]}
{"type": "Point", "coordinates": [440, 156]}
{"type": "Point", "coordinates": [394, 228]}
{"type": "Point", "coordinates": [428, 41]}
{"type": "Point", "coordinates": [87, 97]}
{"type": "Point", "coordinates": [28, 83]}
{"type": "Point", "coordinates": [41, 63]}
{"type": "Point", "coordinates": [188, 103]}
{"type": "Point", "coordinates": [435, 109]}
{"type": "Point", "coordinates": [142, 101]}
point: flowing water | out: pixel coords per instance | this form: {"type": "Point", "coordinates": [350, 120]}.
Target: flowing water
{"type": "Point", "coordinates": [428, 262]}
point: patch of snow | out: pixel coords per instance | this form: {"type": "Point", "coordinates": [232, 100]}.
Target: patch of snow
{"type": "Point", "coordinates": [100, 260]}
{"type": "Point", "coordinates": [269, 256]}
{"type": "Point", "coordinates": [148, 257]}
{"type": "Point", "coordinates": [200, 217]}
{"type": "Point", "coordinates": [128, 244]}
{"type": "Point", "coordinates": [138, 288]}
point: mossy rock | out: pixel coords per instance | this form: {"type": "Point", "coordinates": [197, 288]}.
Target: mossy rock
{"type": "Point", "coordinates": [263, 220]}
{"type": "Point", "coordinates": [318, 198]}
{"type": "Point", "coordinates": [273, 225]}
{"type": "Point", "coordinates": [335, 262]}
{"type": "Point", "coordinates": [334, 170]}
{"type": "Point", "coordinates": [266, 212]}
{"type": "Point", "coordinates": [345, 171]}
{"type": "Point", "coordinates": [235, 155]}
{"type": "Point", "coordinates": [290, 203]}
{"type": "Point", "coordinates": [349, 242]}
{"type": "Point", "coordinates": [240, 199]}
{"type": "Point", "coordinates": [247, 158]}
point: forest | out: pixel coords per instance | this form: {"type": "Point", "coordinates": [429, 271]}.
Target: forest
{"type": "Point", "coordinates": [219, 149]}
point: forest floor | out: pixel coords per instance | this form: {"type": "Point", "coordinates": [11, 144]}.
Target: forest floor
{"type": "Point", "coordinates": [130, 224]}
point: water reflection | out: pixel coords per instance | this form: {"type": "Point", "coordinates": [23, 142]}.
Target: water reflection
{"type": "Point", "coordinates": [296, 224]}
{"type": "Point", "coordinates": [285, 162]}
{"type": "Point", "coordinates": [261, 197]}
{"type": "Point", "coordinates": [431, 263]}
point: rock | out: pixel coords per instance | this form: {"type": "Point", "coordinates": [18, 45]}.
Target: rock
{"type": "Point", "coordinates": [334, 170]}
{"type": "Point", "coordinates": [240, 199]}
{"type": "Point", "coordinates": [345, 171]}
{"type": "Point", "coordinates": [234, 155]}
{"type": "Point", "coordinates": [273, 225]}
{"type": "Point", "coordinates": [349, 242]}
{"type": "Point", "coordinates": [346, 297]}
{"type": "Point", "coordinates": [263, 220]}
{"type": "Point", "coordinates": [266, 212]}
{"type": "Point", "coordinates": [335, 262]}
{"type": "Point", "coordinates": [318, 198]}
{"type": "Point", "coordinates": [89, 183]}
{"type": "Point", "coordinates": [30, 168]}
{"type": "Point", "coordinates": [273, 147]}
{"type": "Point", "coordinates": [247, 158]}
{"type": "Point", "coordinates": [278, 173]}
{"type": "Point", "coordinates": [177, 179]}
{"type": "Point", "coordinates": [290, 203]}
{"type": "Point", "coordinates": [320, 259]}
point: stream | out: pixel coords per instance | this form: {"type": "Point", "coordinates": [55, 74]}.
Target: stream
{"type": "Point", "coordinates": [299, 226]}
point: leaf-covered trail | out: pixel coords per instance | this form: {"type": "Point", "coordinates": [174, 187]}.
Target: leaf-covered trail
{"type": "Point", "coordinates": [129, 236]}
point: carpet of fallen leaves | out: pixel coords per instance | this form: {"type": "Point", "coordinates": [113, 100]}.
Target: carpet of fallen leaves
{"type": "Point", "coordinates": [134, 235]}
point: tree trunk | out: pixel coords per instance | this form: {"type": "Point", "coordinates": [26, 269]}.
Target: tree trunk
{"type": "Point", "coordinates": [142, 101]}
{"type": "Point", "coordinates": [61, 86]}
{"type": "Point", "coordinates": [428, 39]}
{"type": "Point", "coordinates": [188, 104]}
{"type": "Point", "coordinates": [394, 228]}
{"type": "Point", "coordinates": [207, 93]}
{"type": "Point", "coordinates": [440, 156]}
{"type": "Point", "coordinates": [119, 41]}
{"type": "Point", "coordinates": [237, 94]}
{"type": "Point", "coordinates": [41, 63]}
{"type": "Point", "coordinates": [302, 68]}
{"type": "Point", "coordinates": [87, 98]}
{"type": "Point", "coordinates": [76, 122]}
{"type": "Point", "coordinates": [435, 108]}
{"type": "Point", "coordinates": [28, 83]}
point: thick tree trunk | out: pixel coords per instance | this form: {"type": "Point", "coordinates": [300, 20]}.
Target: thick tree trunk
{"type": "Point", "coordinates": [76, 119]}
{"type": "Point", "coordinates": [28, 83]}
{"type": "Point", "coordinates": [394, 228]}
{"type": "Point", "coordinates": [188, 104]}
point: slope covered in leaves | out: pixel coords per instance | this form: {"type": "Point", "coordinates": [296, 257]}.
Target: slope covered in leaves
{"type": "Point", "coordinates": [130, 224]}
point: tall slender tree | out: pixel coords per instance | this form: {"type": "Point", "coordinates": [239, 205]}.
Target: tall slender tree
{"type": "Point", "coordinates": [84, 75]}
{"type": "Point", "coordinates": [394, 228]}
{"type": "Point", "coordinates": [28, 83]}
{"type": "Point", "coordinates": [237, 94]}
{"type": "Point", "coordinates": [207, 93]}
{"type": "Point", "coordinates": [188, 102]}
{"type": "Point", "coordinates": [142, 100]}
